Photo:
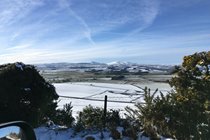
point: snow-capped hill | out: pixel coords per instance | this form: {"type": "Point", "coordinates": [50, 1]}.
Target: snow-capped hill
{"type": "Point", "coordinates": [118, 63]}
{"type": "Point", "coordinates": [112, 66]}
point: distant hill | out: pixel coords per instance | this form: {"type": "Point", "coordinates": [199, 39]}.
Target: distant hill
{"type": "Point", "coordinates": [113, 66]}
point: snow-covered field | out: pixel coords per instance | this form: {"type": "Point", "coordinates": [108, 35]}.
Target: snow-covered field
{"type": "Point", "coordinates": [86, 90]}
{"type": "Point", "coordinates": [124, 94]}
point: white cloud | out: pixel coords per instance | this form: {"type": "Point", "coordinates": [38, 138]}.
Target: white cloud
{"type": "Point", "coordinates": [98, 17]}
{"type": "Point", "coordinates": [87, 32]}
{"type": "Point", "coordinates": [88, 19]}
{"type": "Point", "coordinates": [151, 10]}
{"type": "Point", "coordinates": [12, 11]}
{"type": "Point", "coordinates": [19, 47]}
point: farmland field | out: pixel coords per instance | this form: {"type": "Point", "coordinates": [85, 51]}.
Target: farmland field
{"type": "Point", "coordinates": [89, 87]}
{"type": "Point", "coordinates": [94, 93]}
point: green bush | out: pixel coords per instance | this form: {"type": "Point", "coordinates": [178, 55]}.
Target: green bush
{"type": "Point", "coordinates": [192, 96]}
{"type": "Point", "coordinates": [92, 118]}
{"type": "Point", "coordinates": [145, 114]}
{"type": "Point", "coordinates": [184, 112]}
{"type": "Point", "coordinates": [64, 116]}
{"type": "Point", "coordinates": [25, 95]}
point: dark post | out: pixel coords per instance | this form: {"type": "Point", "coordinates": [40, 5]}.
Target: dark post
{"type": "Point", "coordinates": [104, 117]}
{"type": "Point", "coordinates": [105, 110]}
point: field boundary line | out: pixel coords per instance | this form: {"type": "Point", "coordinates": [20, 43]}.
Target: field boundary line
{"type": "Point", "coordinates": [81, 98]}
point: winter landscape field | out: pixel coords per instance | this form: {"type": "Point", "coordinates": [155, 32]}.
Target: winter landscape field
{"type": "Point", "coordinates": [85, 84]}
{"type": "Point", "coordinates": [106, 69]}
{"type": "Point", "coordinates": [119, 95]}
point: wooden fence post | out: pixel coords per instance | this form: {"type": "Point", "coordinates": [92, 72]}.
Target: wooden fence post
{"type": "Point", "coordinates": [105, 112]}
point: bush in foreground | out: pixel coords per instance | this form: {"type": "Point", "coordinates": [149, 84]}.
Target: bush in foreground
{"type": "Point", "coordinates": [92, 118]}
{"type": "Point", "coordinates": [64, 116]}
{"type": "Point", "coordinates": [185, 112]}
{"type": "Point", "coordinates": [25, 95]}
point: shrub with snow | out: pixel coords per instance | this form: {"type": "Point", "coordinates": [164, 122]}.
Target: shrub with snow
{"type": "Point", "coordinates": [25, 95]}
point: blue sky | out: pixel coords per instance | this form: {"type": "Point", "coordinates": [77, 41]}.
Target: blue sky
{"type": "Point", "coordinates": [140, 31]}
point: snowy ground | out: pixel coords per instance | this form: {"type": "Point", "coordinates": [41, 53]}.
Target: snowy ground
{"type": "Point", "coordinates": [44, 133]}
{"type": "Point", "coordinates": [116, 92]}
{"type": "Point", "coordinates": [56, 133]}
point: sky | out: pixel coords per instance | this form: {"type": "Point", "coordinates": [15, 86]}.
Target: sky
{"type": "Point", "coordinates": [138, 31]}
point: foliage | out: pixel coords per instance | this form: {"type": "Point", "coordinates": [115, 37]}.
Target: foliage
{"type": "Point", "coordinates": [145, 114]}
{"type": "Point", "coordinates": [130, 124]}
{"type": "Point", "coordinates": [64, 116]}
{"type": "Point", "coordinates": [113, 119]}
{"type": "Point", "coordinates": [184, 112]}
{"type": "Point", "coordinates": [92, 118]}
{"type": "Point", "coordinates": [25, 95]}
{"type": "Point", "coordinates": [193, 78]}
{"type": "Point", "coordinates": [192, 96]}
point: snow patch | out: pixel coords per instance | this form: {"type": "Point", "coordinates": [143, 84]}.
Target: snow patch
{"type": "Point", "coordinates": [19, 65]}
